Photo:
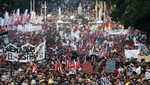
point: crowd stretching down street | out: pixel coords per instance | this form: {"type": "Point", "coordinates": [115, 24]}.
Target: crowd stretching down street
{"type": "Point", "coordinates": [76, 53]}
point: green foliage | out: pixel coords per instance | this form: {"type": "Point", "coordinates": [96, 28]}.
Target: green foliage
{"type": "Point", "coordinates": [11, 5]}
{"type": "Point", "coordinates": [134, 13]}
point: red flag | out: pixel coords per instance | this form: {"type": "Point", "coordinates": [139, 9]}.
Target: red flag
{"type": "Point", "coordinates": [3, 59]}
{"type": "Point", "coordinates": [117, 25]}
{"type": "Point", "coordinates": [87, 67]}
{"type": "Point", "coordinates": [75, 64]}
{"type": "Point", "coordinates": [29, 17]}
{"type": "Point", "coordinates": [21, 18]}
{"type": "Point", "coordinates": [68, 61]}
{"type": "Point", "coordinates": [34, 69]}
{"type": "Point", "coordinates": [101, 54]}
{"type": "Point", "coordinates": [30, 63]}
{"type": "Point", "coordinates": [103, 25]}
{"type": "Point", "coordinates": [57, 66]}
{"type": "Point", "coordinates": [78, 63]}
{"type": "Point", "coordinates": [82, 48]}
{"type": "Point", "coordinates": [107, 24]}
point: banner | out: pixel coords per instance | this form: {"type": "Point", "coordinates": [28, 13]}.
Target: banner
{"type": "Point", "coordinates": [132, 53]}
{"type": "Point", "coordinates": [129, 70]}
{"type": "Point", "coordinates": [40, 50]}
{"type": "Point", "coordinates": [115, 32]}
{"type": "Point", "coordinates": [110, 66]}
{"type": "Point", "coordinates": [24, 53]}
{"type": "Point", "coordinates": [147, 75]}
{"type": "Point", "coordinates": [29, 28]}
{"type": "Point", "coordinates": [105, 80]}
{"type": "Point", "coordinates": [87, 67]}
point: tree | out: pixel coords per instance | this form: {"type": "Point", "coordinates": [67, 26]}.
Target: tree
{"type": "Point", "coordinates": [134, 13]}
{"type": "Point", "coordinates": [11, 5]}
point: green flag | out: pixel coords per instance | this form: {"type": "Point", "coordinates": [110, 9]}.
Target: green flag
{"type": "Point", "coordinates": [144, 51]}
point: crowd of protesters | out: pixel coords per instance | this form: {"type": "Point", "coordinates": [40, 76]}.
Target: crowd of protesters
{"type": "Point", "coordinates": [78, 43]}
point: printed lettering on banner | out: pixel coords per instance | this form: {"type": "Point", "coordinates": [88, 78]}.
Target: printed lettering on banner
{"type": "Point", "coordinates": [105, 80]}
{"type": "Point", "coordinates": [24, 53]}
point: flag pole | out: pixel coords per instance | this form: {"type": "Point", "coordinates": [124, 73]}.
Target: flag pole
{"type": "Point", "coordinates": [30, 6]}
{"type": "Point", "coordinates": [104, 11]}
{"type": "Point", "coordinates": [96, 10]}
{"type": "Point", "coordinates": [45, 7]}
{"type": "Point", "coordinates": [33, 5]}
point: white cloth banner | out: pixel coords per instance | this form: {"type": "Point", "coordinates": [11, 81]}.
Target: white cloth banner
{"type": "Point", "coordinates": [132, 53]}
{"type": "Point", "coordinates": [29, 28]}
{"type": "Point", "coordinates": [25, 53]}
{"type": "Point", "coordinates": [115, 32]}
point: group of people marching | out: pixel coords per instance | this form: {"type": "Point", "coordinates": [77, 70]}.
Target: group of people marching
{"type": "Point", "coordinates": [79, 54]}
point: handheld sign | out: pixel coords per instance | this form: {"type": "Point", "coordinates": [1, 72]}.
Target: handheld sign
{"type": "Point", "coordinates": [110, 66]}
{"type": "Point", "coordinates": [105, 80]}
{"type": "Point", "coordinates": [129, 70]}
{"type": "Point", "coordinates": [147, 75]}
{"type": "Point", "coordinates": [87, 67]}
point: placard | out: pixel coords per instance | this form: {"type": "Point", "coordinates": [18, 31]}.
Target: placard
{"type": "Point", "coordinates": [110, 66]}
{"type": "Point", "coordinates": [129, 70]}
{"type": "Point", "coordinates": [147, 75]}
{"type": "Point", "coordinates": [87, 67]}
{"type": "Point", "coordinates": [105, 80]}
{"type": "Point", "coordinates": [25, 53]}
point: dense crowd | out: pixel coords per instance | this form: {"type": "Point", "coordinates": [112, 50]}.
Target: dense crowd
{"type": "Point", "coordinates": [77, 43]}
{"type": "Point", "coordinates": [60, 47]}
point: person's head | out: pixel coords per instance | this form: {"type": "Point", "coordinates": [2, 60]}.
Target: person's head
{"type": "Point", "coordinates": [33, 82]}
{"type": "Point", "coordinates": [142, 60]}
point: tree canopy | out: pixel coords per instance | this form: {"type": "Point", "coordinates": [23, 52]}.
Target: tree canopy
{"type": "Point", "coordinates": [134, 13]}
{"type": "Point", "coordinates": [11, 5]}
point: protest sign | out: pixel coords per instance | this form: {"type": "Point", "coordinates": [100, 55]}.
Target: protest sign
{"type": "Point", "coordinates": [72, 71]}
{"type": "Point", "coordinates": [132, 53]}
{"type": "Point", "coordinates": [129, 70]}
{"type": "Point", "coordinates": [105, 80]}
{"type": "Point", "coordinates": [147, 75]}
{"type": "Point", "coordinates": [29, 28]}
{"type": "Point", "coordinates": [115, 32]}
{"type": "Point", "coordinates": [41, 51]}
{"type": "Point", "coordinates": [24, 53]}
{"type": "Point", "coordinates": [110, 66]}
{"type": "Point", "coordinates": [87, 67]}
